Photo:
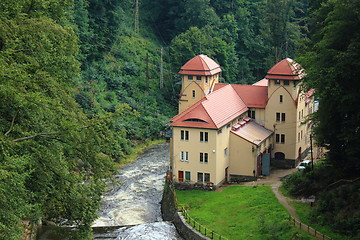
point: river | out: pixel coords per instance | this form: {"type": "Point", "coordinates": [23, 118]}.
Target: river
{"type": "Point", "coordinates": [131, 207]}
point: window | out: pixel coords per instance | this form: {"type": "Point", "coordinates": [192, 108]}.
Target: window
{"type": "Point", "coordinates": [225, 152]}
{"type": "Point", "coordinates": [203, 177]}
{"type": "Point", "coordinates": [204, 136]}
{"type": "Point", "coordinates": [190, 77]}
{"type": "Point", "coordinates": [251, 114]}
{"type": "Point", "coordinates": [198, 78]}
{"type": "Point", "coordinates": [298, 137]}
{"type": "Point", "coordinates": [228, 126]}
{"type": "Point", "coordinates": [200, 177]}
{"type": "Point", "coordinates": [184, 156]}
{"type": "Point", "coordinates": [184, 135]}
{"type": "Point", "coordinates": [301, 135]}
{"type": "Point", "coordinates": [278, 117]}
{"type": "Point", "coordinates": [281, 98]}
{"type": "Point", "coordinates": [277, 82]}
{"type": "Point", "coordinates": [187, 176]}
{"type": "Point", "coordinates": [286, 82]}
{"type": "Point", "coordinates": [280, 138]}
{"type": "Point", "coordinates": [207, 79]}
{"type": "Point", "coordinates": [283, 117]}
{"type": "Point", "coordinates": [193, 93]}
{"type": "Point", "coordinates": [219, 131]}
{"type": "Point", "coordinates": [207, 177]}
{"type": "Point", "coordinates": [204, 157]}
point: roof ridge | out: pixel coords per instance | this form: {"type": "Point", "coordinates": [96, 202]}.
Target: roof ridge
{"type": "Point", "coordinates": [203, 62]}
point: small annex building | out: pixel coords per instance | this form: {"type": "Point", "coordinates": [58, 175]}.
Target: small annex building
{"type": "Point", "coordinates": [230, 131]}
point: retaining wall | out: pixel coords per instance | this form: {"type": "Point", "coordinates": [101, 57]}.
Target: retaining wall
{"type": "Point", "coordinates": [170, 213]}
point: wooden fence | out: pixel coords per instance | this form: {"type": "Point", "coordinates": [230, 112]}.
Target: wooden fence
{"type": "Point", "coordinates": [310, 230]}
{"type": "Point", "coordinates": [200, 228]}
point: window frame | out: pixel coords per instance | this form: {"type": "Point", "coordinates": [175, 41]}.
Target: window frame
{"type": "Point", "coordinates": [190, 77]}
{"type": "Point", "coordinates": [200, 177]}
{"type": "Point", "coordinates": [184, 156]}
{"type": "Point", "coordinates": [187, 176]}
{"type": "Point", "coordinates": [283, 117]}
{"type": "Point", "coordinates": [278, 117]}
{"type": "Point", "coordinates": [184, 135]}
{"type": "Point", "coordinates": [204, 136]}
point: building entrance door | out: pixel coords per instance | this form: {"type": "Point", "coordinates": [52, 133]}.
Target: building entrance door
{"type": "Point", "coordinates": [181, 176]}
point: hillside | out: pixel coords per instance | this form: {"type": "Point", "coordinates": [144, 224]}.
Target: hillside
{"type": "Point", "coordinates": [80, 85]}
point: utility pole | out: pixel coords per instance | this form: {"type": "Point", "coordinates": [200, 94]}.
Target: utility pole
{"type": "Point", "coordinates": [161, 68]}
{"type": "Point", "coordinates": [147, 72]}
{"type": "Point", "coordinates": [136, 16]}
{"type": "Point", "coordinates": [311, 152]}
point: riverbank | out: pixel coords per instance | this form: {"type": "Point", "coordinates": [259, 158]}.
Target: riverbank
{"type": "Point", "coordinates": [138, 150]}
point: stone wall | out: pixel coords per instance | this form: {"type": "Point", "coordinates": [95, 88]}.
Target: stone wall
{"type": "Point", "coordinates": [282, 163]}
{"type": "Point", "coordinates": [185, 230]}
{"type": "Point", "coordinates": [170, 213]}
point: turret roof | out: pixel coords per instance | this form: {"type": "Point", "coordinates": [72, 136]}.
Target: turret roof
{"type": "Point", "coordinates": [200, 65]}
{"type": "Point", "coordinates": [286, 69]}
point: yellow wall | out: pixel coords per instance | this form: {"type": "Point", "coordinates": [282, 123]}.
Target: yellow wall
{"type": "Point", "coordinates": [215, 147]}
{"type": "Point", "coordinates": [201, 88]}
{"type": "Point", "coordinates": [287, 127]}
{"type": "Point", "coordinates": [303, 129]}
{"type": "Point", "coordinates": [194, 147]}
{"type": "Point", "coordinates": [242, 158]}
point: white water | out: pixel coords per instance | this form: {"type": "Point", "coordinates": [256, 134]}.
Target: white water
{"type": "Point", "coordinates": [136, 200]}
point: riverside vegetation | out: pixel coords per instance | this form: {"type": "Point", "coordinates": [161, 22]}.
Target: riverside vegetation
{"type": "Point", "coordinates": [79, 88]}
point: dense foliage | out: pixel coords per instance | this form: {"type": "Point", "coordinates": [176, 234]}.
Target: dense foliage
{"type": "Point", "coordinates": [79, 87]}
{"type": "Point", "coordinates": [331, 62]}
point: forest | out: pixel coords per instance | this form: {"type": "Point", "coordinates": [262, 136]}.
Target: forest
{"type": "Point", "coordinates": [84, 81]}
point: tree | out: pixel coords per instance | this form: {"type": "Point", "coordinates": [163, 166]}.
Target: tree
{"type": "Point", "coordinates": [331, 62]}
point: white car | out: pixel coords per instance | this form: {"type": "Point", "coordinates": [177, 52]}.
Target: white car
{"type": "Point", "coordinates": [303, 164]}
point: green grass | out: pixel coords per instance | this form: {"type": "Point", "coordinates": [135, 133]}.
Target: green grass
{"type": "Point", "coordinates": [304, 212]}
{"type": "Point", "coordinates": [241, 212]}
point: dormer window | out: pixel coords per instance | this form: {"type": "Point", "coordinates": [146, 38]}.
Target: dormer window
{"type": "Point", "coordinates": [195, 120]}
{"type": "Point", "coordinates": [190, 77]}
{"type": "Point", "coordinates": [198, 78]}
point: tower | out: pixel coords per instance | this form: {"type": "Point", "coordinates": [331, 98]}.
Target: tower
{"type": "Point", "coordinates": [281, 109]}
{"type": "Point", "coordinates": [198, 78]}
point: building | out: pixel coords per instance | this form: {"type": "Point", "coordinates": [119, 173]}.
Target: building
{"type": "Point", "coordinates": [228, 131]}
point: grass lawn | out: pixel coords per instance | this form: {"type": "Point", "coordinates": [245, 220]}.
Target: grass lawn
{"type": "Point", "coordinates": [304, 212]}
{"type": "Point", "coordinates": [241, 212]}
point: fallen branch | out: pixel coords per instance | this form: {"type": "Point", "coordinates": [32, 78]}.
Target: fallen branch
{"type": "Point", "coordinates": [35, 136]}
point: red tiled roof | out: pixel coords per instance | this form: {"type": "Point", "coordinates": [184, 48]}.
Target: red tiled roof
{"type": "Point", "coordinates": [200, 65]}
{"type": "Point", "coordinates": [309, 94]}
{"type": "Point", "coordinates": [286, 69]}
{"type": "Point", "coordinates": [251, 131]}
{"type": "Point", "coordinates": [213, 111]}
{"type": "Point", "coordinates": [262, 82]}
{"type": "Point", "coordinates": [252, 95]}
